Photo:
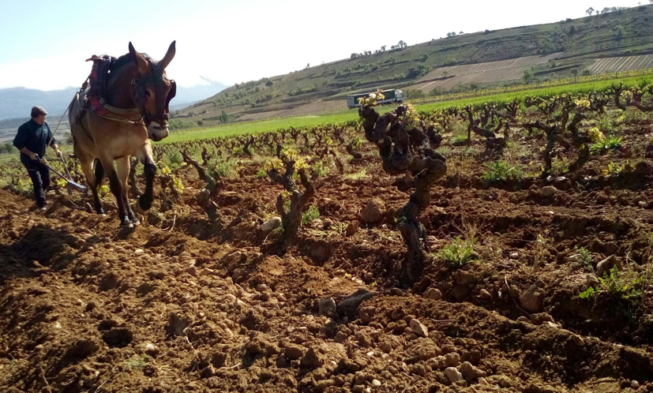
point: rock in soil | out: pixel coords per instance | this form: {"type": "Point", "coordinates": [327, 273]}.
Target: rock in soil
{"type": "Point", "coordinates": [373, 211]}
{"type": "Point", "coordinates": [294, 351]}
{"type": "Point", "coordinates": [605, 265]}
{"type": "Point", "coordinates": [327, 307]}
{"type": "Point", "coordinates": [453, 374]}
{"type": "Point", "coordinates": [271, 224]}
{"type": "Point", "coordinates": [418, 328]}
{"type": "Point", "coordinates": [531, 300]}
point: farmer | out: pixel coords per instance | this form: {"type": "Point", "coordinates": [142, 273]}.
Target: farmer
{"type": "Point", "coordinates": [32, 139]}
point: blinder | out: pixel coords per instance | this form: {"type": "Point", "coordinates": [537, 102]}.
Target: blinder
{"type": "Point", "coordinates": [139, 92]}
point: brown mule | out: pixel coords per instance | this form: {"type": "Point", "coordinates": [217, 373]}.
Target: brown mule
{"type": "Point", "coordinates": [137, 93]}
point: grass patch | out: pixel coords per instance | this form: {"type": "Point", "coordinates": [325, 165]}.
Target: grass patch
{"type": "Point", "coordinates": [310, 215]}
{"type": "Point", "coordinates": [459, 252]}
{"type": "Point", "coordinates": [501, 170]}
{"type": "Point", "coordinates": [136, 362]}
{"type": "Point", "coordinates": [357, 175]}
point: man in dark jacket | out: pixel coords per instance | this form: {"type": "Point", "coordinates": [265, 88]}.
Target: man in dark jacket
{"type": "Point", "coordinates": [32, 139]}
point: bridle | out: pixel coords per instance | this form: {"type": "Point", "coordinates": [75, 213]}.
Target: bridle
{"type": "Point", "coordinates": [162, 103]}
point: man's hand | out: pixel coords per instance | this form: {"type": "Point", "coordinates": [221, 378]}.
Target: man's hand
{"type": "Point", "coordinates": [34, 156]}
{"type": "Point", "coordinates": [58, 152]}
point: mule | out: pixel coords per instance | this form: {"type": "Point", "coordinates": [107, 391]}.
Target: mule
{"type": "Point", "coordinates": [137, 96]}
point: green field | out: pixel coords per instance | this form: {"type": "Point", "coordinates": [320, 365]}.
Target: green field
{"type": "Point", "coordinates": [311, 121]}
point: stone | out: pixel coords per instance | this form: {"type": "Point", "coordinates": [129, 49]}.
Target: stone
{"type": "Point", "coordinates": [373, 211]}
{"type": "Point", "coordinates": [605, 265]}
{"type": "Point", "coordinates": [548, 191]}
{"type": "Point", "coordinates": [634, 384]}
{"type": "Point", "coordinates": [311, 359]}
{"type": "Point", "coordinates": [366, 314]}
{"type": "Point", "coordinates": [470, 372]}
{"type": "Point", "coordinates": [352, 228]}
{"type": "Point", "coordinates": [610, 248]}
{"type": "Point", "coordinates": [360, 378]}
{"type": "Point", "coordinates": [541, 318]}
{"type": "Point", "coordinates": [327, 307]}
{"type": "Point", "coordinates": [151, 349]}
{"type": "Point", "coordinates": [531, 300]}
{"type": "Point", "coordinates": [464, 277]}
{"type": "Point", "coordinates": [453, 374]}
{"type": "Point", "coordinates": [485, 295]}
{"type": "Point", "coordinates": [433, 293]}
{"type": "Point", "coordinates": [294, 351]}
{"type": "Point", "coordinates": [578, 340]}
{"type": "Point", "coordinates": [418, 328]}
{"type": "Point", "coordinates": [514, 255]}
{"type": "Point", "coordinates": [376, 383]}
{"type": "Point", "coordinates": [271, 224]}
{"type": "Point", "coordinates": [452, 359]}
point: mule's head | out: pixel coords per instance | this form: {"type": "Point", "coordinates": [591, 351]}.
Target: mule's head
{"type": "Point", "coordinates": [153, 91]}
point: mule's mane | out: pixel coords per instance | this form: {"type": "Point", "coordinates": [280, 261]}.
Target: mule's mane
{"type": "Point", "coordinates": [126, 59]}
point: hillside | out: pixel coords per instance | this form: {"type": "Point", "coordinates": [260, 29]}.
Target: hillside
{"type": "Point", "coordinates": [465, 61]}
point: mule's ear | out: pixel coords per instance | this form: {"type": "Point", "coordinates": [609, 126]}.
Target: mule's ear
{"type": "Point", "coordinates": [139, 59]}
{"type": "Point", "coordinates": [169, 56]}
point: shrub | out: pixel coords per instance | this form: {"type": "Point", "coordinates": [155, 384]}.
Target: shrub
{"type": "Point", "coordinates": [501, 170]}
{"type": "Point", "coordinates": [459, 252]}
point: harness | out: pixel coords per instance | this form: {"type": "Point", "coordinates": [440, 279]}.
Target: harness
{"type": "Point", "coordinates": [162, 104]}
{"type": "Point", "coordinates": [96, 103]}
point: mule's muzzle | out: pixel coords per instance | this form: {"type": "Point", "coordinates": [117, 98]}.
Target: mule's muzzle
{"type": "Point", "coordinates": [157, 132]}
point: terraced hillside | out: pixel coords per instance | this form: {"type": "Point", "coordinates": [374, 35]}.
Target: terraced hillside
{"type": "Point", "coordinates": [617, 64]}
{"type": "Point", "coordinates": [497, 71]}
{"type": "Point", "coordinates": [483, 58]}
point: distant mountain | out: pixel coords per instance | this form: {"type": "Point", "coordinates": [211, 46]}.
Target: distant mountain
{"type": "Point", "coordinates": [16, 102]}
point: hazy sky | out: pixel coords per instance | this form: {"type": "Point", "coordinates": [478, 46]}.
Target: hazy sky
{"type": "Point", "coordinates": [43, 43]}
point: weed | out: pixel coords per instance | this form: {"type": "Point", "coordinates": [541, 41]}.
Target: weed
{"type": "Point", "coordinates": [261, 173]}
{"type": "Point", "coordinates": [501, 170]}
{"type": "Point", "coordinates": [357, 175]}
{"type": "Point", "coordinates": [604, 123]}
{"type": "Point", "coordinates": [459, 252]}
{"type": "Point", "coordinates": [136, 362]}
{"type": "Point", "coordinates": [613, 169]}
{"type": "Point", "coordinates": [220, 169]}
{"type": "Point", "coordinates": [633, 115]}
{"type": "Point", "coordinates": [584, 258]}
{"type": "Point", "coordinates": [319, 170]}
{"type": "Point", "coordinates": [310, 215]}
{"type": "Point", "coordinates": [559, 166]}
{"type": "Point", "coordinates": [104, 191]}
{"type": "Point", "coordinates": [609, 143]}
{"type": "Point", "coordinates": [616, 284]}
{"type": "Point", "coordinates": [458, 139]}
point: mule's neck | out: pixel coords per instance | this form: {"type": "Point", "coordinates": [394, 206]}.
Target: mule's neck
{"type": "Point", "coordinates": [119, 89]}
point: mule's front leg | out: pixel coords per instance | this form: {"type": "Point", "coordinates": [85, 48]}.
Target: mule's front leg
{"type": "Point", "coordinates": [145, 200]}
{"type": "Point", "coordinates": [117, 191]}
{"type": "Point", "coordinates": [123, 168]}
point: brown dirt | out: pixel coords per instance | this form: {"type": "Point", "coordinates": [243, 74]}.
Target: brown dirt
{"type": "Point", "coordinates": [185, 305]}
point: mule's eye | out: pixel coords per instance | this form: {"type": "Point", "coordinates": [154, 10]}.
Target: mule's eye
{"type": "Point", "coordinates": [147, 94]}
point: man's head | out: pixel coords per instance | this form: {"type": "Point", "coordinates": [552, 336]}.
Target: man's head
{"type": "Point", "coordinates": [38, 114]}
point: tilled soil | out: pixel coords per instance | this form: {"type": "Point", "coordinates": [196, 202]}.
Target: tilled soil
{"type": "Point", "coordinates": [181, 304]}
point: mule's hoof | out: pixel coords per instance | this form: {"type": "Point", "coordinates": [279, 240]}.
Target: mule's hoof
{"type": "Point", "coordinates": [125, 223]}
{"type": "Point", "coordinates": [101, 212]}
{"type": "Point", "coordinates": [135, 221]}
{"type": "Point", "coordinates": [143, 204]}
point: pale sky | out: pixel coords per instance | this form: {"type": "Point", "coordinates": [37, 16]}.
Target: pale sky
{"type": "Point", "coordinates": [43, 43]}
